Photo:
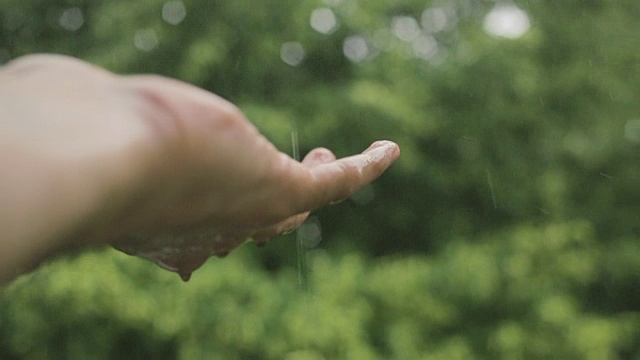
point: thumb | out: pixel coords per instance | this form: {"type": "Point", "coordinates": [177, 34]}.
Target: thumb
{"type": "Point", "coordinates": [315, 157]}
{"type": "Point", "coordinates": [337, 180]}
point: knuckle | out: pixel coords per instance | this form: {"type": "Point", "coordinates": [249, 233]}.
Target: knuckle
{"type": "Point", "coordinates": [154, 107]}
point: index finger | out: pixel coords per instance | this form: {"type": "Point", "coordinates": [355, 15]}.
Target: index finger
{"type": "Point", "coordinates": [337, 180]}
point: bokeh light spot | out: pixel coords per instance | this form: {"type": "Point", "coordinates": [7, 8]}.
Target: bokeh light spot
{"type": "Point", "coordinates": [355, 48]}
{"type": "Point", "coordinates": [145, 39]}
{"type": "Point", "coordinates": [174, 12]}
{"type": "Point", "coordinates": [405, 27]}
{"type": "Point", "coordinates": [425, 47]}
{"type": "Point", "coordinates": [310, 233]}
{"type": "Point", "coordinates": [292, 53]}
{"type": "Point", "coordinates": [324, 21]}
{"type": "Point", "coordinates": [508, 21]}
{"type": "Point", "coordinates": [71, 19]}
{"type": "Point", "coordinates": [434, 20]}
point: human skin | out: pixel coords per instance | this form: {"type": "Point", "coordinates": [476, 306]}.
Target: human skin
{"type": "Point", "coordinates": [88, 157]}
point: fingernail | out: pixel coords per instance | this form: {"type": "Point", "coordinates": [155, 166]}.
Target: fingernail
{"type": "Point", "coordinates": [382, 144]}
{"type": "Point", "coordinates": [378, 144]}
{"type": "Point", "coordinates": [383, 149]}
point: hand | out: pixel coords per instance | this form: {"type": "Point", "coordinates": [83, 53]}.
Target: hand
{"type": "Point", "coordinates": [90, 157]}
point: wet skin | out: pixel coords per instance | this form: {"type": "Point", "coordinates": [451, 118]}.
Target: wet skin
{"type": "Point", "coordinates": [91, 158]}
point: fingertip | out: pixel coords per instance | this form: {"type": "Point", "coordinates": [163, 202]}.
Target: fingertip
{"type": "Point", "coordinates": [384, 151]}
{"type": "Point", "coordinates": [386, 144]}
{"type": "Point", "coordinates": [330, 181]}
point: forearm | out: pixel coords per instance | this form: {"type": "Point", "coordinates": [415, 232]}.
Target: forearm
{"type": "Point", "coordinates": [49, 204]}
{"type": "Point", "coordinates": [64, 177]}
{"type": "Point", "coordinates": [35, 212]}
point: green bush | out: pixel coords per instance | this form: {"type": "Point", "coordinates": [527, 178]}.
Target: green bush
{"type": "Point", "coordinates": [524, 293]}
{"type": "Point", "coordinates": [507, 229]}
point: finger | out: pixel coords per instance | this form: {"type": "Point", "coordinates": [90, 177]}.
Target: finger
{"type": "Point", "coordinates": [314, 158]}
{"type": "Point", "coordinates": [337, 180]}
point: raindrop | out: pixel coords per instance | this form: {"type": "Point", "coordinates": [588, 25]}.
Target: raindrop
{"type": "Point", "coordinates": [174, 12]}
{"type": "Point", "coordinates": [292, 53]}
{"type": "Point", "coordinates": [508, 21]}
{"type": "Point", "coordinates": [145, 39]}
{"type": "Point", "coordinates": [493, 193]}
{"type": "Point", "coordinates": [71, 19]}
{"type": "Point", "coordinates": [324, 21]}
{"type": "Point", "coordinates": [355, 48]}
{"type": "Point", "coordinates": [295, 147]}
{"type": "Point", "coordinates": [405, 27]}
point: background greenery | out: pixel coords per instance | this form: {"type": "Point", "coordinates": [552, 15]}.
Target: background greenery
{"type": "Point", "coordinates": [508, 229]}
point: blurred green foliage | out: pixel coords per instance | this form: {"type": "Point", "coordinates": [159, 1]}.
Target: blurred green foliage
{"type": "Point", "coordinates": [509, 228]}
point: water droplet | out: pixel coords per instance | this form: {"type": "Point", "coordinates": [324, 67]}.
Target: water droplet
{"type": "Point", "coordinates": [185, 276]}
{"type": "Point", "coordinates": [180, 253]}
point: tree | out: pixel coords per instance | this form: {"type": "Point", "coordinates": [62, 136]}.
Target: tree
{"type": "Point", "coordinates": [509, 227]}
